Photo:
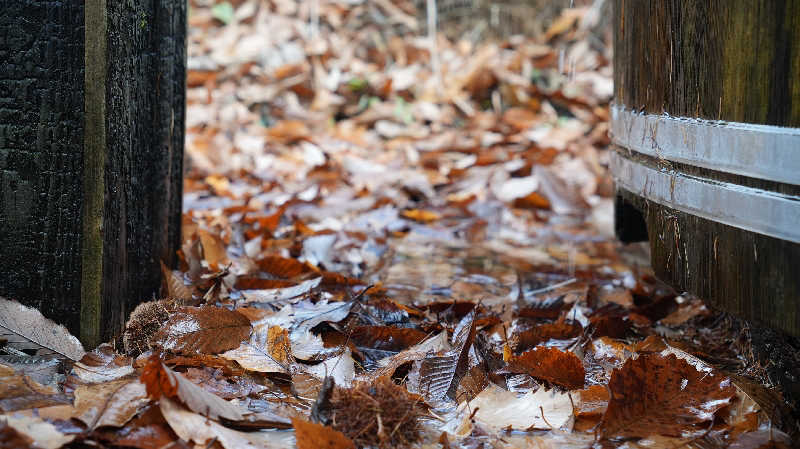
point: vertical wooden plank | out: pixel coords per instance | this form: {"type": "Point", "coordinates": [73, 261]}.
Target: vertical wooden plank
{"type": "Point", "coordinates": [41, 160]}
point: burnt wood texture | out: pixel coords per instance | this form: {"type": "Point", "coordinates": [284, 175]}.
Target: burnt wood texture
{"type": "Point", "coordinates": [726, 61]}
{"type": "Point", "coordinates": [92, 96]}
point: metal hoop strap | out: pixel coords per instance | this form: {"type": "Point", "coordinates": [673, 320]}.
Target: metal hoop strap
{"type": "Point", "coordinates": [755, 210]}
{"type": "Point", "coordinates": [757, 151]}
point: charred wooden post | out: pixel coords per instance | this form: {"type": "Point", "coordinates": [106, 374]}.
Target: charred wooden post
{"type": "Point", "coordinates": [91, 145]}
{"type": "Point", "coordinates": [706, 127]}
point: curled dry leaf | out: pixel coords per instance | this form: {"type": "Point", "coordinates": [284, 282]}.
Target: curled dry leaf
{"type": "Point", "coordinates": [558, 367]}
{"type": "Point", "coordinates": [162, 382]}
{"type": "Point", "coordinates": [26, 328]}
{"type": "Point", "coordinates": [498, 409]}
{"type": "Point", "coordinates": [204, 330]}
{"type": "Point", "coordinates": [656, 395]}
{"type": "Point", "coordinates": [316, 436]}
{"type": "Point", "coordinates": [102, 365]}
{"type": "Point", "coordinates": [176, 289]}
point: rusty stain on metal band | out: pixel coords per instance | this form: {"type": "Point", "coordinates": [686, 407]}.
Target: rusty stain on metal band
{"type": "Point", "coordinates": [764, 212]}
{"type": "Point", "coordinates": [757, 151]}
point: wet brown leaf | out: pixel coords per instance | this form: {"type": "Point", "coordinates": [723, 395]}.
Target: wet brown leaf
{"type": "Point", "coordinates": [655, 395]}
{"type": "Point", "coordinates": [558, 367]}
{"type": "Point", "coordinates": [386, 338]}
{"type": "Point", "coordinates": [542, 333]}
{"type": "Point", "coordinates": [205, 330]}
{"type": "Point", "coordinates": [439, 374]}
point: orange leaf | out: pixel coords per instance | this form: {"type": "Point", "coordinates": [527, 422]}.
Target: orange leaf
{"type": "Point", "coordinates": [420, 215]}
{"type": "Point", "coordinates": [316, 436]}
{"type": "Point", "coordinates": [283, 268]}
{"type": "Point", "coordinates": [213, 249]}
{"type": "Point", "coordinates": [551, 364]}
{"type": "Point", "coordinates": [655, 395]}
{"type": "Point", "coordinates": [156, 380]}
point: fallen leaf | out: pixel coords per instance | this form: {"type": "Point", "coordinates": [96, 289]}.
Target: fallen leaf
{"type": "Point", "coordinates": [387, 338]}
{"type": "Point", "coordinates": [162, 382]}
{"type": "Point", "coordinates": [18, 392]}
{"type": "Point", "coordinates": [109, 404]}
{"type": "Point", "coordinates": [439, 374]}
{"type": "Point", "coordinates": [213, 249]}
{"type": "Point", "coordinates": [558, 367]}
{"type": "Point", "coordinates": [175, 287]}
{"type": "Point", "coordinates": [43, 434]}
{"type": "Point", "coordinates": [501, 409]}
{"type": "Point", "coordinates": [420, 215]}
{"type": "Point", "coordinates": [205, 330]}
{"type": "Point", "coordinates": [28, 326]}
{"type": "Point", "coordinates": [199, 429]}
{"type": "Point", "coordinates": [316, 436]}
{"type": "Point", "coordinates": [531, 338]}
{"type": "Point", "coordinates": [656, 395]}
{"type": "Point", "coordinates": [267, 351]}
{"type": "Point", "coordinates": [102, 365]}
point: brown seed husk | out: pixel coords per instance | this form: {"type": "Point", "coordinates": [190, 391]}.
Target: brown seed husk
{"type": "Point", "coordinates": [378, 414]}
{"type": "Point", "coordinates": [145, 320]}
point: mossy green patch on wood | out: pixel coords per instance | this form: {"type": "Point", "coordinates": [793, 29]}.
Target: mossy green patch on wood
{"type": "Point", "coordinates": [94, 158]}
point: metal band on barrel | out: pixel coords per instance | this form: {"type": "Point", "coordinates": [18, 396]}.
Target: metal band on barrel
{"type": "Point", "coordinates": [756, 210]}
{"type": "Point", "coordinates": [758, 151]}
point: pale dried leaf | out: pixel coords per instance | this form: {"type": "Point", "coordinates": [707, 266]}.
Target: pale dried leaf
{"type": "Point", "coordinates": [501, 409]}
{"type": "Point", "coordinates": [202, 431]}
{"type": "Point", "coordinates": [28, 325]}
{"type": "Point", "coordinates": [109, 404]}
{"type": "Point", "coordinates": [44, 434]}
{"type": "Point", "coordinates": [262, 352]}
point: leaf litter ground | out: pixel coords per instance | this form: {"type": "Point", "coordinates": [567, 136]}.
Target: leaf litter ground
{"type": "Point", "coordinates": [390, 246]}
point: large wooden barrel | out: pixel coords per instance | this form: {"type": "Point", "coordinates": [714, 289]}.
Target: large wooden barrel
{"type": "Point", "coordinates": [706, 133]}
{"type": "Point", "coordinates": [92, 96]}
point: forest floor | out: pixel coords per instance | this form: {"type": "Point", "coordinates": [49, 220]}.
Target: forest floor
{"type": "Point", "coordinates": [388, 244]}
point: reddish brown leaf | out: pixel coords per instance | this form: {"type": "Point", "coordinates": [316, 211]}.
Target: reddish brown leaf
{"type": "Point", "coordinates": [283, 268]}
{"type": "Point", "coordinates": [386, 338]}
{"type": "Point", "coordinates": [316, 436]}
{"type": "Point", "coordinates": [542, 333]}
{"type": "Point", "coordinates": [655, 395]}
{"type": "Point", "coordinates": [156, 380]}
{"type": "Point", "coordinates": [204, 330]}
{"type": "Point", "coordinates": [551, 364]}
